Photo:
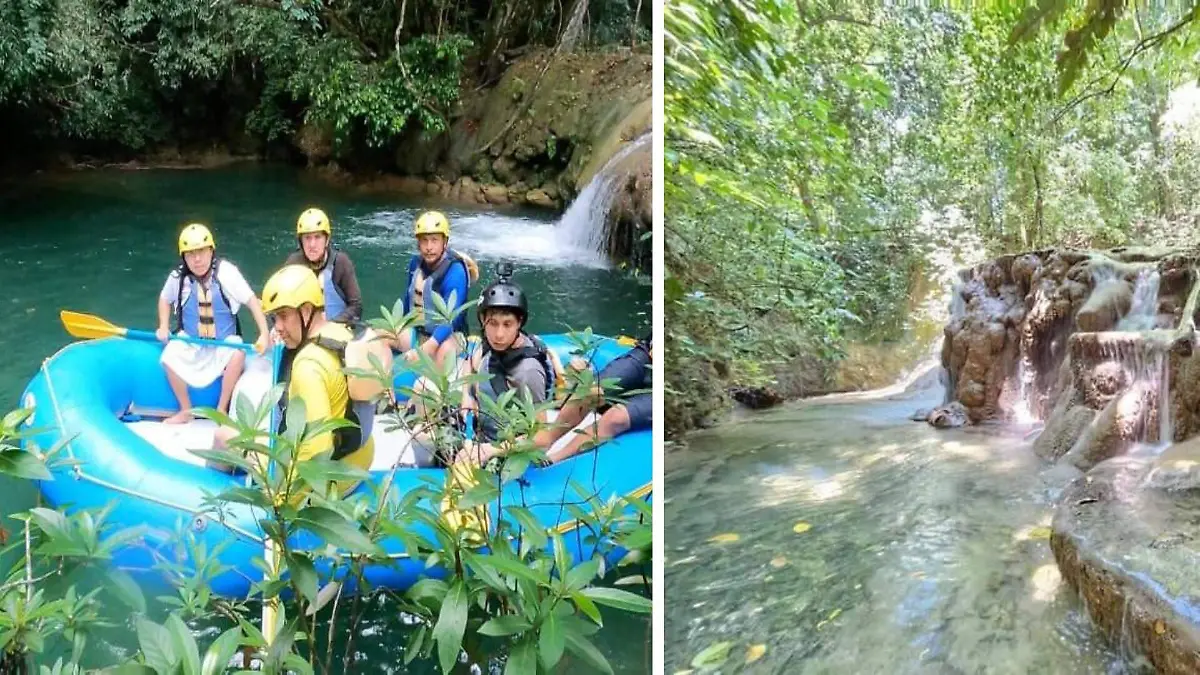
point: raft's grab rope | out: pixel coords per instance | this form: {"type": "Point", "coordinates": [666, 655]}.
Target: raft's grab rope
{"type": "Point", "coordinates": [80, 474]}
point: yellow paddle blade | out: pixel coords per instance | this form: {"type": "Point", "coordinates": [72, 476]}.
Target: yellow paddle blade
{"type": "Point", "coordinates": [88, 326]}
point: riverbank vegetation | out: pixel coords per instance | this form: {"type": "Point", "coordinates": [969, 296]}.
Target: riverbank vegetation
{"type": "Point", "coordinates": [827, 163]}
{"type": "Point", "coordinates": [115, 78]}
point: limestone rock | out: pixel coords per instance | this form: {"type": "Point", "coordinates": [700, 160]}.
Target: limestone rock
{"type": "Point", "coordinates": [756, 397]}
{"type": "Point", "coordinates": [505, 169]}
{"type": "Point", "coordinates": [1177, 468]}
{"type": "Point", "coordinates": [949, 416]}
{"type": "Point", "coordinates": [496, 194]}
{"type": "Point", "coordinates": [1133, 564]}
{"type": "Point", "coordinates": [1105, 307]}
{"type": "Point", "coordinates": [539, 198]}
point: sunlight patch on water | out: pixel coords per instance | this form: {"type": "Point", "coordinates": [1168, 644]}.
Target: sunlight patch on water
{"type": "Point", "coordinates": [972, 451]}
{"type": "Point", "coordinates": [814, 486]}
{"type": "Point", "coordinates": [828, 489]}
{"type": "Point", "coordinates": [1045, 582]}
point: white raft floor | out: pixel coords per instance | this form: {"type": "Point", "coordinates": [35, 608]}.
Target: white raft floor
{"type": "Point", "coordinates": [392, 448]}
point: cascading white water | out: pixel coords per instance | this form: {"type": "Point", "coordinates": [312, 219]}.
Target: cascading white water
{"type": "Point", "coordinates": [1143, 311]}
{"type": "Point", "coordinates": [583, 224]}
{"type": "Point", "coordinates": [1026, 371]}
{"type": "Point", "coordinates": [1148, 368]}
{"type": "Point", "coordinates": [486, 236]}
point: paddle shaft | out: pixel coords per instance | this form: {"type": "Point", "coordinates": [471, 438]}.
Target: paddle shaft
{"type": "Point", "coordinates": [204, 342]}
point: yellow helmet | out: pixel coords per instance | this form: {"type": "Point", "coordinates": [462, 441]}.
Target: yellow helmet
{"type": "Point", "coordinates": [292, 286]}
{"type": "Point", "coordinates": [432, 222]}
{"type": "Point", "coordinates": [195, 237]}
{"type": "Point", "coordinates": [313, 220]}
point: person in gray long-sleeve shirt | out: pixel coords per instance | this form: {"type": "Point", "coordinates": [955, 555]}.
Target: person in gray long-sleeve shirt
{"type": "Point", "coordinates": [314, 235]}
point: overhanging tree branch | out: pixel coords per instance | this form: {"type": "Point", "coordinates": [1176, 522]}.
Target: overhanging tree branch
{"type": "Point", "coordinates": [1143, 45]}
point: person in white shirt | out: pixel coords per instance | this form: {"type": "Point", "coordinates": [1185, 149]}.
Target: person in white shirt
{"type": "Point", "coordinates": [204, 294]}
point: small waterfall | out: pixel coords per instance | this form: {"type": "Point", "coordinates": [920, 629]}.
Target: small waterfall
{"type": "Point", "coordinates": [1103, 275]}
{"type": "Point", "coordinates": [583, 224]}
{"type": "Point", "coordinates": [1022, 413]}
{"type": "Point", "coordinates": [1166, 425]}
{"type": "Point", "coordinates": [1147, 364]}
{"type": "Point", "coordinates": [1027, 372]}
{"type": "Point", "coordinates": [958, 309]}
{"type": "Point", "coordinates": [1143, 312]}
{"type": "Point", "coordinates": [958, 306]}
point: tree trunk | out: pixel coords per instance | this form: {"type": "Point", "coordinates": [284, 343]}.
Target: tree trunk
{"type": "Point", "coordinates": [1162, 186]}
{"type": "Point", "coordinates": [570, 34]}
{"type": "Point", "coordinates": [498, 35]}
{"type": "Point", "coordinates": [810, 207]}
{"type": "Point", "coordinates": [637, 14]}
{"type": "Point", "coordinates": [1038, 206]}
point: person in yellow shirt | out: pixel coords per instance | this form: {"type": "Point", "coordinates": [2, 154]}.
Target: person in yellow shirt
{"type": "Point", "coordinates": [296, 300]}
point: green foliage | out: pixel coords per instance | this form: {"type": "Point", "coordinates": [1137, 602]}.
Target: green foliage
{"type": "Point", "coordinates": [420, 81]}
{"type": "Point", "coordinates": [144, 71]}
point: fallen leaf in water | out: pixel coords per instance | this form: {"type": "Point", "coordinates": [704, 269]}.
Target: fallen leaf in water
{"type": "Point", "coordinates": [801, 527]}
{"type": "Point", "coordinates": [778, 561]}
{"type": "Point", "coordinates": [726, 538]}
{"type": "Point", "coordinates": [712, 656]}
{"type": "Point", "coordinates": [832, 615]}
{"type": "Point", "coordinates": [683, 561]}
{"type": "Point", "coordinates": [755, 652]}
{"type": "Point", "coordinates": [1160, 627]}
{"type": "Point", "coordinates": [1039, 533]}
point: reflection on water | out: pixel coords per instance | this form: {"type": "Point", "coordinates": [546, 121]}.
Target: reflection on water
{"type": "Point", "coordinates": [867, 543]}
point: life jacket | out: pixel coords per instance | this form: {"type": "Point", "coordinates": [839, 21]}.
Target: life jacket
{"type": "Point", "coordinates": [335, 302]}
{"type": "Point", "coordinates": [500, 366]}
{"type": "Point", "coordinates": [420, 288]}
{"type": "Point", "coordinates": [211, 316]}
{"type": "Point", "coordinates": [360, 401]}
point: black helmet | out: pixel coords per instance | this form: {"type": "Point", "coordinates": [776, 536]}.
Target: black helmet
{"type": "Point", "coordinates": [504, 294]}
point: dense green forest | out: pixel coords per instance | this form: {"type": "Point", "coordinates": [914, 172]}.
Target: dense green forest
{"type": "Point", "coordinates": [110, 76]}
{"type": "Point", "coordinates": [825, 161]}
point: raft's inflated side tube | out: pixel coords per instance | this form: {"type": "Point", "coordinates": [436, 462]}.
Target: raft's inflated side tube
{"type": "Point", "coordinates": [81, 392]}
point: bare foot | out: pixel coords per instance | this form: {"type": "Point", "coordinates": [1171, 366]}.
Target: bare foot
{"type": "Point", "coordinates": [181, 417]}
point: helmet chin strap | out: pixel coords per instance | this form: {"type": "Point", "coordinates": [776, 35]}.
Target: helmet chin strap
{"type": "Point", "coordinates": [305, 325]}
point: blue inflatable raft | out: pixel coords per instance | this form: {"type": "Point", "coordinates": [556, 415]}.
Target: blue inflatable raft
{"type": "Point", "coordinates": [92, 393]}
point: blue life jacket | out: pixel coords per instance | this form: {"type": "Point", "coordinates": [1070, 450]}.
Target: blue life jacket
{"type": "Point", "coordinates": [335, 303]}
{"type": "Point", "coordinates": [433, 283]}
{"type": "Point", "coordinates": [187, 315]}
